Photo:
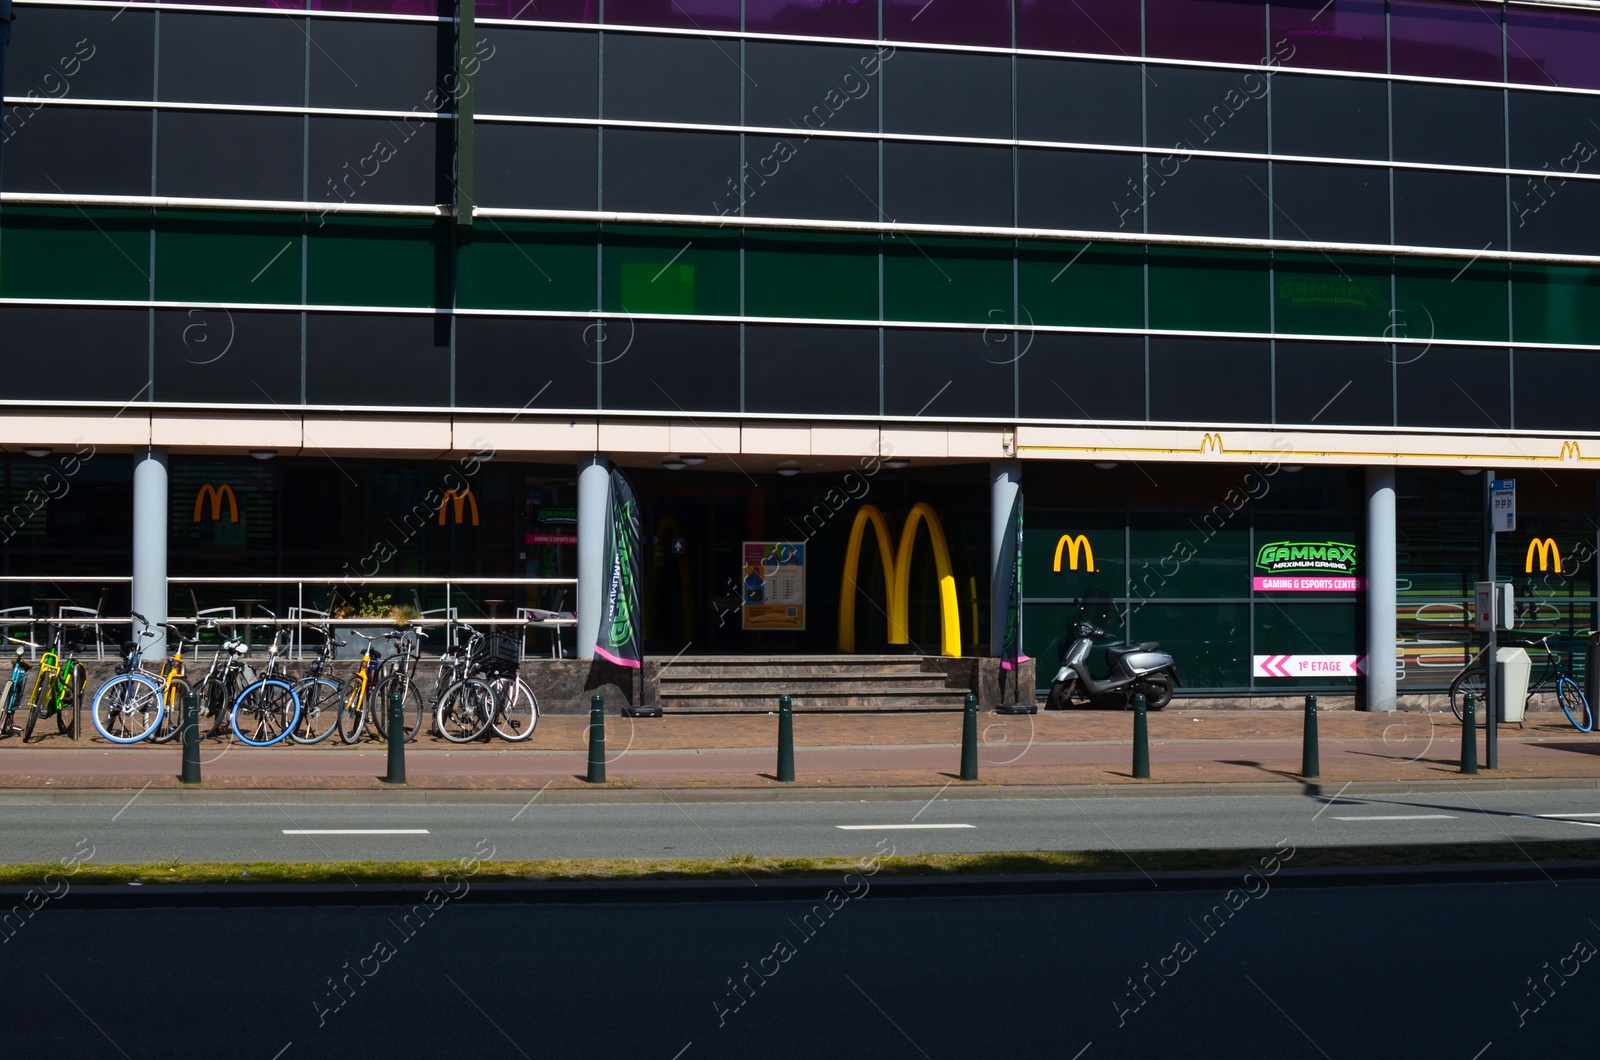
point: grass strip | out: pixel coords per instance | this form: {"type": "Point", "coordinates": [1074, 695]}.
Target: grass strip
{"type": "Point", "coordinates": [748, 866]}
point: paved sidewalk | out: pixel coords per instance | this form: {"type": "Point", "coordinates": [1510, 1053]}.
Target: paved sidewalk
{"type": "Point", "coordinates": [1078, 748]}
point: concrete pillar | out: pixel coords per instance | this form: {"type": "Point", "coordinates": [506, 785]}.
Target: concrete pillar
{"type": "Point", "coordinates": [150, 542]}
{"type": "Point", "coordinates": [1005, 484]}
{"type": "Point", "coordinates": [1381, 598]}
{"type": "Point", "coordinates": [594, 510]}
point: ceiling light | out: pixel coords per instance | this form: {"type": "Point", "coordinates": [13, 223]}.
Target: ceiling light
{"type": "Point", "coordinates": [38, 452]}
{"type": "Point", "coordinates": [693, 461]}
{"type": "Point", "coordinates": [788, 469]}
{"type": "Point", "coordinates": [1105, 465]}
{"type": "Point", "coordinates": [897, 463]}
{"type": "Point", "coordinates": [1294, 468]}
{"type": "Point", "coordinates": [263, 454]}
{"type": "Point", "coordinates": [673, 464]}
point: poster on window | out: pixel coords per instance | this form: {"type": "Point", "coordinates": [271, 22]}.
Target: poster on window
{"type": "Point", "coordinates": [774, 587]}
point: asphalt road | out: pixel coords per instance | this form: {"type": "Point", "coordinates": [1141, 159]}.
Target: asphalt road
{"type": "Point", "coordinates": [1446, 970]}
{"type": "Point", "coordinates": [357, 826]}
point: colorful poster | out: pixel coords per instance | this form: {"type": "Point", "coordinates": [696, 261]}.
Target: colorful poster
{"type": "Point", "coordinates": [620, 637]}
{"type": "Point", "coordinates": [774, 585]}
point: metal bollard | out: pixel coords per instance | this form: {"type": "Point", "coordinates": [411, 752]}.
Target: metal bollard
{"type": "Point", "coordinates": [785, 739]}
{"type": "Point", "coordinates": [1141, 740]}
{"type": "Point", "coordinates": [191, 737]}
{"type": "Point", "coordinates": [1310, 756]}
{"type": "Point", "coordinates": [1469, 735]}
{"type": "Point", "coordinates": [969, 739]}
{"type": "Point", "coordinates": [397, 741]}
{"type": "Point", "coordinates": [597, 739]}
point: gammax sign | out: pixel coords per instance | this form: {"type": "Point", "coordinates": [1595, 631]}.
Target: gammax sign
{"type": "Point", "coordinates": [1307, 566]}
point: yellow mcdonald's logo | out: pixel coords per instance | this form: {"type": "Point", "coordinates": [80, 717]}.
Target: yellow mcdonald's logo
{"type": "Point", "coordinates": [1547, 550]}
{"type": "Point", "coordinates": [897, 578]}
{"type": "Point", "coordinates": [1074, 544]}
{"type": "Point", "coordinates": [1211, 443]}
{"type": "Point", "coordinates": [462, 498]}
{"type": "Point", "coordinates": [1570, 450]}
{"type": "Point", "coordinates": [216, 494]}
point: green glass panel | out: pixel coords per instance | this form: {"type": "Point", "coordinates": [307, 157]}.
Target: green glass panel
{"type": "Point", "coordinates": [1284, 628]}
{"type": "Point", "coordinates": [1320, 294]}
{"type": "Point", "coordinates": [1556, 304]}
{"type": "Point", "coordinates": [825, 276]}
{"type": "Point", "coordinates": [511, 265]}
{"type": "Point", "coordinates": [1450, 300]}
{"type": "Point", "coordinates": [375, 261]}
{"type": "Point", "coordinates": [1209, 290]}
{"type": "Point", "coordinates": [947, 280]}
{"type": "Point", "coordinates": [1211, 642]}
{"type": "Point", "coordinates": [1066, 554]}
{"type": "Point", "coordinates": [49, 252]}
{"type": "Point", "coordinates": [204, 256]}
{"type": "Point", "coordinates": [1201, 555]}
{"type": "Point", "coordinates": [1081, 285]}
{"type": "Point", "coordinates": [650, 270]}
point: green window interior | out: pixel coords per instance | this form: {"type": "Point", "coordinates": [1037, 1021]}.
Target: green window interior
{"type": "Point", "coordinates": [1319, 294]}
{"type": "Point", "coordinates": [1078, 285]}
{"type": "Point", "coordinates": [1321, 628]}
{"type": "Point", "coordinates": [832, 277]}
{"type": "Point", "coordinates": [654, 270]}
{"type": "Point", "coordinates": [50, 252]}
{"type": "Point", "coordinates": [209, 256]}
{"type": "Point", "coordinates": [516, 265]}
{"type": "Point", "coordinates": [1210, 641]}
{"type": "Point", "coordinates": [1203, 554]}
{"type": "Point", "coordinates": [947, 280]}
{"type": "Point", "coordinates": [1556, 304]}
{"type": "Point", "coordinates": [1451, 300]}
{"type": "Point", "coordinates": [1210, 290]}
{"type": "Point", "coordinates": [374, 261]}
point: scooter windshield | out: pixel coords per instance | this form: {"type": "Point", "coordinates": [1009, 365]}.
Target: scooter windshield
{"type": "Point", "coordinates": [1098, 608]}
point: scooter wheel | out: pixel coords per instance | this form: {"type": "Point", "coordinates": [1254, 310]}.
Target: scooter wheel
{"type": "Point", "coordinates": [1057, 699]}
{"type": "Point", "coordinates": [1157, 690]}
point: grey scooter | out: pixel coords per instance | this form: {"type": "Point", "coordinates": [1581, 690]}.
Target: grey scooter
{"type": "Point", "coordinates": [1135, 669]}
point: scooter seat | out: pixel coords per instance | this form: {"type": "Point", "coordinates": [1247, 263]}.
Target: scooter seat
{"type": "Point", "coordinates": [1129, 649]}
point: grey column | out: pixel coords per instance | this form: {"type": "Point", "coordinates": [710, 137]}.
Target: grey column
{"type": "Point", "coordinates": [1381, 598]}
{"type": "Point", "coordinates": [150, 543]}
{"type": "Point", "coordinates": [594, 506]}
{"type": "Point", "coordinates": [1005, 483]}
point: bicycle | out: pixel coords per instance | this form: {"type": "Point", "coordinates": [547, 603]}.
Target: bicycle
{"type": "Point", "coordinates": [320, 703]}
{"type": "Point", "coordinates": [129, 707]}
{"type": "Point", "coordinates": [57, 686]}
{"type": "Point", "coordinates": [401, 666]}
{"type": "Point", "coordinates": [357, 689]}
{"type": "Point", "coordinates": [12, 697]}
{"type": "Point", "coordinates": [499, 698]}
{"type": "Point", "coordinates": [463, 703]}
{"type": "Point", "coordinates": [1474, 678]}
{"type": "Point", "coordinates": [266, 712]}
{"type": "Point", "coordinates": [175, 687]}
{"type": "Point", "coordinates": [220, 687]}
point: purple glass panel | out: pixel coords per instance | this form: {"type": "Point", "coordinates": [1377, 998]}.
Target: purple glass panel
{"type": "Point", "coordinates": [271, 5]}
{"type": "Point", "coordinates": [1227, 31]}
{"type": "Point", "coordinates": [1101, 27]}
{"type": "Point", "coordinates": [1342, 35]}
{"type": "Point", "coordinates": [813, 18]}
{"type": "Point", "coordinates": [1553, 48]}
{"type": "Point", "coordinates": [1445, 38]}
{"type": "Point", "coordinates": [540, 10]}
{"type": "Point", "coordinates": [983, 22]}
{"type": "Point", "coordinates": [428, 8]}
{"type": "Point", "coordinates": [676, 14]}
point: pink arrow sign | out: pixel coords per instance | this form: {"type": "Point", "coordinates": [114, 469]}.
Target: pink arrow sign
{"type": "Point", "coordinates": [1310, 665]}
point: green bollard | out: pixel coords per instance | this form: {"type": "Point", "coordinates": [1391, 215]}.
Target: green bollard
{"type": "Point", "coordinates": [1141, 740]}
{"type": "Point", "coordinates": [191, 737]}
{"type": "Point", "coordinates": [397, 741]}
{"type": "Point", "coordinates": [1469, 736]}
{"type": "Point", "coordinates": [969, 739]}
{"type": "Point", "coordinates": [1310, 757]}
{"type": "Point", "coordinates": [785, 739]}
{"type": "Point", "coordinates": [597, 739]}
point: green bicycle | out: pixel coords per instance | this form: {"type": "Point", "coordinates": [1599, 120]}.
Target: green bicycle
{"type": "Point", "coordinates": [57, 687]}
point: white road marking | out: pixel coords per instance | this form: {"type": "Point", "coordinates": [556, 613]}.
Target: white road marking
{"type": "Point", "coordinates": [1554, 818]}
{"type": "Point", "coordinates": [897, 827]}
{"type": "Point", "coordinates": [1567, 815]}
{"type": "Point", "coordinates": [355, 831]}
{"type": "Point", "coordinates": [1404, 817]}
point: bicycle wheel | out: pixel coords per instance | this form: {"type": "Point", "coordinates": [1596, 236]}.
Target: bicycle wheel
{"type": "Point", "coordinates": [411, 708]}
{"type": "Point", "coordinates": [172, 707]}
{"type": "Point", "coordinates": [67, 716]}
{"type": "Point", "coordinates": [352, 709]}
{"type": "Point", "coordinates": [1574, 705]}
{"type": "Point", "coordinates": [1473, 679]}
{"type": "Point", "coordinates": [320, 707]}
{"type": "Point", "coordinates": [265, 713]}
{"type": "Point", "coordinates": [214, 704]}
{"type": "Point", "coordinates": [8, 708]}
{"type": "Point", "coordinates": [127, 708]}
{"type": "Point", "coordinates": [516, 709]}
{"type": "Point", "coordinates": [464, 710]}
{"type": "Point", "coordinates": [38, 694]}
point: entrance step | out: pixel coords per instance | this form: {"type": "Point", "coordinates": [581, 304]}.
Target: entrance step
{"type": "Point", "coordinates": [743, 684]}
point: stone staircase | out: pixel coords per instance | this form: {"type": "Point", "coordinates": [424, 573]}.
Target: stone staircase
{"type": "Point", "coordinates": [739, 684]}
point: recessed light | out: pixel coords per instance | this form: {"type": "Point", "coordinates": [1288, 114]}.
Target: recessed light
{"type": "Point", "coordinates": [38, 452]}
{"type": "Point", "coordinates": [788, 469]}
{"type": "Point", "coordinates": [693, 461]}
{"type": "Point", "coordinates": [263, 454]}
{"type": "Point", "coordinates": [672, 464]}
{"type": "Point", "coordinates": [897, 463]}
{"type": "Point", "coordinates": [1105, 465]}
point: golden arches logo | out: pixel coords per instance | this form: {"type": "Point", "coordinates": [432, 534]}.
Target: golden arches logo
{"type": "Point", "coordinates": [462, 498]}
{"type": "Point", "coordinates": [1073, 544]}
{"type": "Point", "coordinates": [1571, 451]}
{"type": "Point", "coordinates": [1211, 443]}
{"type": "Point", "coordinates": [897, 578]}
{"type": "Point", "coordinates": [216, 494]}
{"type": "Point", "coordinates": [1547, 550]}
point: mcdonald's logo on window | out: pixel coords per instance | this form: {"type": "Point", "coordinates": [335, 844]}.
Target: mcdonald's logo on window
{"type": "Point", "coordinates": [897, 578]}
{"type": "Point", "coordinates": [1547, 550]}
{"type": "Point", "coordinates": [1570, 451]}
{"type": "Point", "coordinates": [216, 494]}
{"type": "Point", "coordinates": [462, 499]}
{"type": "Point", "coordinates": [1211, 443]}
{"type": "Point", "coordinates": [1073, 544]}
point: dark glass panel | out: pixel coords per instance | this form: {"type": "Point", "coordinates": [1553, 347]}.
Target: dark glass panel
{"type": "Point", "coordinates": [799, 177]}
{"type": "Point", "coordinates": [948, 373]}
{"type": "Point", "coordinates": [1101, 27]}
{"type": "Point", "coordinates": [1555, 216]}
{"type": "Point", "coordinates": [93, 354]}
{"type": "Point", "coordinates": [1341, 35]}
{"type": "Point", "coordinates": [1340, 204]}
{"type": "Point", "coordinates": [1212, 110]}
{"type": "Point", "coordinates": [82, 53]}
{"type": "Point", "coordinates": [650, 270]}
{"type": "Point", "coordinates": [77, 150]}
{"type": "Point", "coordinates": [62, 252]}
{"type": "Point", "coordinates": [375, 160]}
{"type": "Point", "coordinates": [536, 167]}
{"type": "Point", "coordinates": [1449, 123]}
{"type": "Point", "coordinates": [1553, 47]}
{"type": "Point", "coordinates": [947, 184]}
{"type": "Point", "coordinates": [1209, 290]}
{"type": "Point", "coordinates": [947, 280]}
{"type": "Point", "coordinates": [372, 65]}
{"type": "Point", "coordinates": [1081, 377]}
{"type": "Point", "coordinates": [1073, 101]}
{"type": "Point", "coordinates": [1554, 131]}
{"type": "Point", "coordinates": [1210, 197]}
{"type": "Point", "coordinates": [680, 79]}
{"type": "Point", "coordinates": [1334, 384]}
{"type": "Point", "coordinates": [1079, 285]}
{"type": "Point", "coordinates": [984, 22]}
{"type": "Point", "coordinates": [1229, 31]}
{"type": "Point", "coordinates": [804, 275]}
{"type": "Point", "coordinates": [263, 159]}
{"type": "Point", "coordinates": [213, 256]}
{"type": "Point", "coordinates": [361, 359]}
{"type": "Point", "coordinates": [227, 356]}
{"type": "Point", "coordinates": [647, 171]}
{"type": "Point", "coordinates": [811, 370]}
{"type": "Point", "coordinates": [808, 18]}
{"type": "Point", "coordinates": [1316, 294]}
{"type": "Point", "coordinates": [1084, 190]}
{"type": "Point", "coordinates": [544, 72]}
{"type": "Point", "coordinates": [1216, 381]}
{"type": "Point", "coordinates": [1466, 387]}
{"type": "Point", "coordinates": [210, 58]}
{"type": "Point", "coordinates": [948, 94]}
{"type": "Point", "coordinates": [1213, 639]}
{"type": "Point", "coordinates": [818, 86]}
{"type": "Point", "coordinates": [1330, 117]}
{"type": "Point", "coordinates": [1543, 377]}
{"type": "Point", "coordinates": [530, 362]}
{"type": "Point", "coordinates": [675, 14]}
{"type": "Point", "coordinates": [1445, 38]}
{"type": "Point", "coordinates": [671, 366]}
{"type": "Point", "coordinates": [522, 265]}
{"type": "Point", "coordinates": [1450, 300]}
{"type": "Point", "coordinates": [1466, 210]}
{"type": "Point", "coordinates": [1552, 303]}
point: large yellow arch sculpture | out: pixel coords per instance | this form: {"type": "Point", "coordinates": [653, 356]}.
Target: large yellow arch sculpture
{"type": "Point", "coordinates": [869, 513]}
{"type": "Point", "coordinates": [668, 525]}
{"type": "Point", "coordinates": [897, 578]}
